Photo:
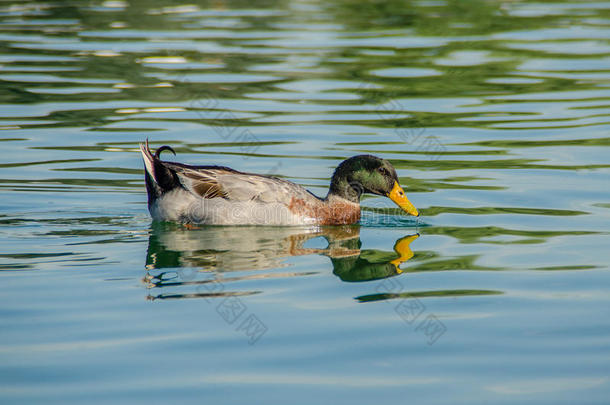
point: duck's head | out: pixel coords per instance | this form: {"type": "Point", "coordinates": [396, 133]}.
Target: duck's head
{"type": "Point", "coordinates": [369, 174]}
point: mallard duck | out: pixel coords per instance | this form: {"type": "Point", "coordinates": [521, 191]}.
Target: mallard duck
{"type": "Point", "coordinates": [218, 195]}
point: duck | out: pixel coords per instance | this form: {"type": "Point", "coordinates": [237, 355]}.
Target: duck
{"type": "Point", "coordinates": [219, 195]}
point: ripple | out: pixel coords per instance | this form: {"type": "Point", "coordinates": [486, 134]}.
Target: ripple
{"type": "Point", "coordinates": [571, 47]}
{"type": "Point", "coordinates": [218, 78]}
{"type": "Point", "coordinates": [406, 72]}
{"type": "Point", "coordinates": [493, 114]}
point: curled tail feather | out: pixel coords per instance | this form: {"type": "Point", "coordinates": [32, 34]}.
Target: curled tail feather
{"type": "Point", "coordinates": [159, 178]}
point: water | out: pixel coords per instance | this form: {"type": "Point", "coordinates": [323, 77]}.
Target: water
{"type": "Point", "coordinates": [495, 115]}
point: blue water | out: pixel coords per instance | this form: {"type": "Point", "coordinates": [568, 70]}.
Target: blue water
{"type": "Point", "coordinates": [495, 115]}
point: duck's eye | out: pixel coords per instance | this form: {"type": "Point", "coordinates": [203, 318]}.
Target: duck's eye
{"type": "Point", "coordinates": [384, 171]}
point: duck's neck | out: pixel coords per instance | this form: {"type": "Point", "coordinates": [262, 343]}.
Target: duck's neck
{"type": "Point", "coordinates": [340, 187]}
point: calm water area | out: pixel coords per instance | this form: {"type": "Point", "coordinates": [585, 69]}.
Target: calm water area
{"type": "Point", "coordinates": [494, 113]}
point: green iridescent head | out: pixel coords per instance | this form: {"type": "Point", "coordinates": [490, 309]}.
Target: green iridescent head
{"type": "Point", "coordinates": [369, 174]}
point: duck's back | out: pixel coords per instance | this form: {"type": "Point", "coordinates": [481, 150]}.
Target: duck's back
{"type": "Point", "coordinates": [223, 196]}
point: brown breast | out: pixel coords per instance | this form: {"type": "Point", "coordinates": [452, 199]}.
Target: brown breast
{"type": "Point", "coordinates": [327, 212]}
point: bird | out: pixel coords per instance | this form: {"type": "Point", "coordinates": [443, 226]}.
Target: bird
{"type": "Point", "coordinates": [219, 195]}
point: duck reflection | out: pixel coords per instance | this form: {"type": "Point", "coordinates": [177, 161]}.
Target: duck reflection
{"type": "Point", "coordinates": [205, 257]}
{"type": "Point", "coordinates": [371, 264]}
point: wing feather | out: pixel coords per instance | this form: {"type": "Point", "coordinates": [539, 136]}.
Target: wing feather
{"type": "Point", "coordinates": [203, 182]}
{"type": "Point", "coordinates": [237, 186]}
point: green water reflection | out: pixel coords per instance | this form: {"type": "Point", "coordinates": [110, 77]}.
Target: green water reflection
{"type": "Point", "coordinates": [214, 251]}
{"type": "Point", "coordinates": [495, 114]}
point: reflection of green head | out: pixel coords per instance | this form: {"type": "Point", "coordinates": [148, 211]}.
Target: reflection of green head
{"type": "Point", "coordinates": [374, 264]}
{"type": "Point", "coordinates": [352, 269]}
{"type": "Point", "coordinates": [363, 174]}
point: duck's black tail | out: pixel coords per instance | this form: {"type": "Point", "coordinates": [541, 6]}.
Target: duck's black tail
{"type": "Point", "coordinates": [159, 177]}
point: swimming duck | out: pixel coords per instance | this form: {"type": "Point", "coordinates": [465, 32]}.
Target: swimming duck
{"type": "Point", "coordinates": [218, 195]}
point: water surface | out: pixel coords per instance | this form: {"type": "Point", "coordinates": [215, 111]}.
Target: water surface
{"type": "Point", "coordinates": [495, 115]}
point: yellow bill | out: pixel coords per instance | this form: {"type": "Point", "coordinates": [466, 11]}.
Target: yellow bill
{"type": "Point", "coordinates": [398, 196]}
{"type": "Point", "coordinates": [404, 250]}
